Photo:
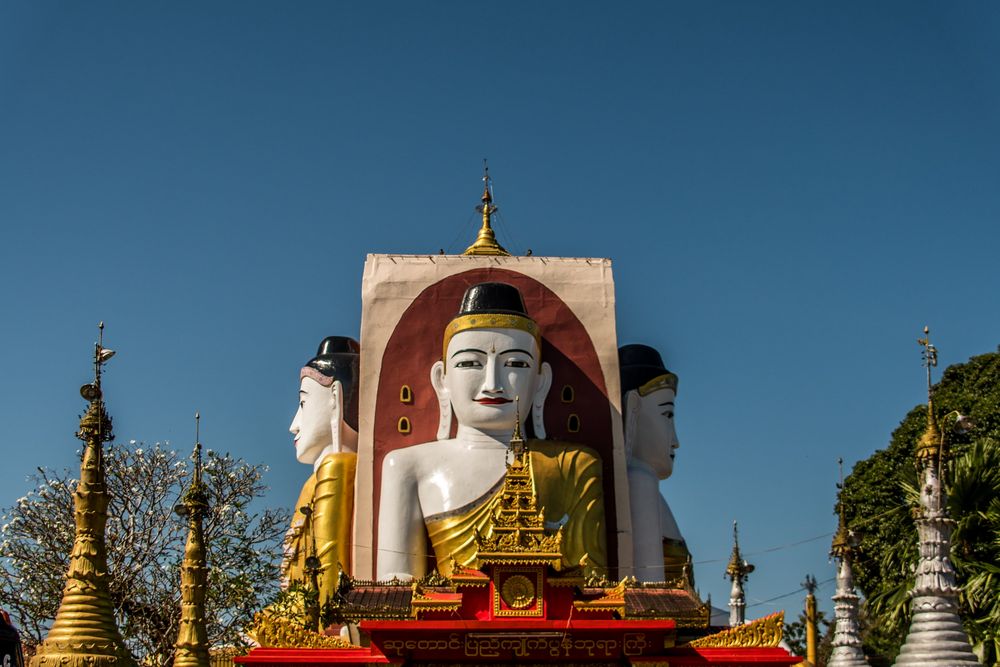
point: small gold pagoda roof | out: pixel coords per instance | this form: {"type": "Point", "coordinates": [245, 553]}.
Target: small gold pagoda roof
{"type": "Point", "coordinates": [486, 241]}
{"type": "Point", "coordinates": [515, 532]}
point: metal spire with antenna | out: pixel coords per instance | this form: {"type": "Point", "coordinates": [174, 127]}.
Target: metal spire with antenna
{"type": "Point", "coordinates": [486, 241]}
{"type": "Point", "coordinates": [191, 648]}
{"type": "Point", "coordinates": [936, 636]}
{"type": "Point", "coordinates": [929, 446]}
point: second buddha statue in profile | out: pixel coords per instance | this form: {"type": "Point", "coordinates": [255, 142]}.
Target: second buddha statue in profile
{"type": "Point", "coordinates": [326, 437]}
{"type": "Point", "coordinates": [649, 392]}
{"type": "Point", "coordinates": [490, 375]}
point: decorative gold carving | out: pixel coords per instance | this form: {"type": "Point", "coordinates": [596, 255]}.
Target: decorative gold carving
{"type": "Point", "coordinates": [405, 394]}
{"type": "Point", "coordinates": [403, 425]}
{"type": "Point", "coordinates": [434, 579]}
{"type": "Point", "coordinates": [567, 395]}
{"type": "Point", "coordinates": [518, 591]}
{"type": "Point", "coordinates": [491, 321]}
{"type": "Point", "coordinates": [273, 630]}
{"type": "Point", "coordinates": [84, 633]}
{"type": "Point", "coordinates": [521, 595]}
{"type": "Point", "coordinates": [762, 633]}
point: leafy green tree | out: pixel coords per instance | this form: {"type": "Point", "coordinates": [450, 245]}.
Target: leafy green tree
{"type": "Point", "coordinates": [145, 548]}
{"type": "Point", "coordinates": [795, 636]}
{"type": "Point", "coordinates": [881, 491]}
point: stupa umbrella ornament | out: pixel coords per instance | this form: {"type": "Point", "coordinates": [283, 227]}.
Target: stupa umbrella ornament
{"type": "Point", "coordinates": [936, 635]}
{"type": "Point", "coordinates": [847, 630]}
{"type": "Point", "coordinates": [738, 571]}
{"type": "Point", "coordinates": [486, 241]}
{"type": "Point", "coordinates": [191, 648]}
{"type": "Point", "coordinates": [84, 633]}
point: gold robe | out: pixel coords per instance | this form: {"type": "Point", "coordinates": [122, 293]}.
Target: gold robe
{"type": "Point", "coordinates": [331, 491]}
{"type": "Point", "coordinates": [568, 484]}
{"type": "Point", "coordinates": [677, 562]}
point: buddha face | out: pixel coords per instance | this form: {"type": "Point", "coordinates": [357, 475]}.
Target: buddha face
{"type": "Point", "coordinates": [655, 437]}
{"type": "Point", "coordinates": [484, 370]}
{"type": "Point", "coordinates": [319, 410]}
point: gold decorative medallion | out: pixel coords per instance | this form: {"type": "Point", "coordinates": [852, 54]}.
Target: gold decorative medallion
{"type": "Point", "coordinates": [518, 592]}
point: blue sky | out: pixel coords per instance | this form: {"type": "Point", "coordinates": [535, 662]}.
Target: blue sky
{"type": "Point", "coordinates": [788, 191]}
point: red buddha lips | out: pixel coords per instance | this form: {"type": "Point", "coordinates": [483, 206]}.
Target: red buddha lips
{"type": "Point", "coordinates": [491, 400]}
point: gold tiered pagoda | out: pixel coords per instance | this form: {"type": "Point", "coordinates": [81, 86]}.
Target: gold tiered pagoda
{"type": "Point", "coordinates": [84, 633]}
{"type": "Point", "coordinates": [192, 637]}
{"type": "Point", "coordinates": [517, 534]}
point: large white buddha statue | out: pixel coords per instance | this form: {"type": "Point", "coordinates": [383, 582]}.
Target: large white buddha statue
{"type": "Point", "coordinates": [649, 391]}
{"type": "Point", "coordinates": [326, 438]}
{"type": "Point", "coordinates": [442, 492]}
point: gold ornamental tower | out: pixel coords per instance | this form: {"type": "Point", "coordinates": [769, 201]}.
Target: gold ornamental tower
{"type": "Point", "coordinates": [486, 240]}
{"type": "Point", "coordinates": [84, 633]}
{"type": "Point", "coordinates": [191, 649]}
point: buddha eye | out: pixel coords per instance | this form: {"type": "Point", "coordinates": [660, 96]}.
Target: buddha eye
{"type": "Point", "coordinates": [468, 363]}
{"type": "Point", "coordinates": [517, 363]}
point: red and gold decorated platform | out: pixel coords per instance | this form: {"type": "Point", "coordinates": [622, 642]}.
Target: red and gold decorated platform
{"type": "Point", "coordinates": [520, 605]}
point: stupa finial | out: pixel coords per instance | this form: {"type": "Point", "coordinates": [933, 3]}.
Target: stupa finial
{"type": "Point", "coordinates": [738, 571]}
{"type": "Point", "coordinates": [738, 567]}
{"type": "Point", "coordinates": [191, 647]}
{"type": "Point", "coordinates": [85, 630]}
{"type": "Point", "coordinates": [517, 440]}
{"type": "Point", "coordinates": [486, 241]}
{"type": "Point", "coordinates": [929, 446]}
{"type": "Point", "coordinates": [842, 538]}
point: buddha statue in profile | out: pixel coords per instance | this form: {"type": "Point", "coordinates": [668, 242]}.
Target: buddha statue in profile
{"type": "Point", "coordinates": [441, 493]}
{"type": "Point", "coordinates": [325, 430]}
{"type": "Point", "coordinates": [649, 392]}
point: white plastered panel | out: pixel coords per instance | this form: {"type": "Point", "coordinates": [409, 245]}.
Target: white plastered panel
{"type": "Point", "coordinates": [392, 282]}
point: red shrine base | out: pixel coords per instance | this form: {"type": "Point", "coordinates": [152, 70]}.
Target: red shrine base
{"type": "Point", "coordinates": [522, 642]}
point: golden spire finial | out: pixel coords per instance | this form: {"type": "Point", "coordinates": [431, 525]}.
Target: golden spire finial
{"type": "Point", "coordinates": [486, 241]}
{"type": "Point", "coordinates": [191, 648]}
{"type": "Point", "coordinates": [929, 446]}
{"type": "Point", "coordinates": [842, 538]}
{"type": "Point", "coordinates": [516, 440]}
{"type": "Point", "coordinates": [738, 567]}
{"type": "Point", "coordinates": [84, 631]}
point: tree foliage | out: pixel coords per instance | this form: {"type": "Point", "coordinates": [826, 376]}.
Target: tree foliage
{"type": "Point", "coordinates": [145, 541]}
{"type": "Point", "coordinates": [795, 637]}
{"type": "Point", "coordinates": [881, 491]}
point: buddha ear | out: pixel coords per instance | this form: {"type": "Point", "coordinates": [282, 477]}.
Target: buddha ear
{"type": "Point", "coordinates": [538, 401]}
{"type": "Point", "coordinates": [336, 411]}
{"type": "Point", "coordinates": [444, 400]}
{"type": "Point", "coordinates": [631, 407]}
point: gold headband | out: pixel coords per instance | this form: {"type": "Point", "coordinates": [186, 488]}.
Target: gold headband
{"type": "Point", "coordinates": [490, 321]}
{"type": "Point", "coordinates": [665, 381]}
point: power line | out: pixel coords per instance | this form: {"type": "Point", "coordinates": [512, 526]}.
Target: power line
{"type": "Point", "coordinates": [785, 595]}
